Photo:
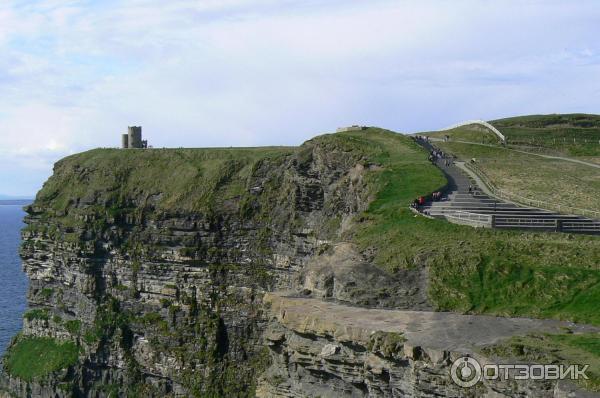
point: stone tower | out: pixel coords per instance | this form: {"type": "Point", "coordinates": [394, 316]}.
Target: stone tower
{"type": "Point", "coordinates": [134, 137]}
{"type": "Point", "coordinates": [125, 141]}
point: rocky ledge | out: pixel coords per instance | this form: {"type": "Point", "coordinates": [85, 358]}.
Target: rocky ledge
{"type": "Point", "coordinates": [325, 349]}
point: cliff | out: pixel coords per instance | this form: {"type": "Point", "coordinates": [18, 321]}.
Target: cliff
{"type": "Point", "coordinates": [148, 268]}
{"type": "Point", "coordinates": [153, 263]}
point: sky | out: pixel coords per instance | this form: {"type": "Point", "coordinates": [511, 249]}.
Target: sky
{"type": "Point", "coordinates": [74, 74]}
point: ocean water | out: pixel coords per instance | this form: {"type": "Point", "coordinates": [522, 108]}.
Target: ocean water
{"type": "Point", "coordinates": [13, 283]}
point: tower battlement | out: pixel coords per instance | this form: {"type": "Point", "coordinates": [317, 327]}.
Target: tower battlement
{"type": "Point", "coordinates": [133, 138]}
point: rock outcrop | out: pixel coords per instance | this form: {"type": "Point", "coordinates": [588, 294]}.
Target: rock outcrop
{"type": "Point", "coordinates": [324, 349]}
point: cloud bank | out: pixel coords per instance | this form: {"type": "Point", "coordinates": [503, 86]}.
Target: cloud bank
{"type": "Point", "coordinates": [75, 74]}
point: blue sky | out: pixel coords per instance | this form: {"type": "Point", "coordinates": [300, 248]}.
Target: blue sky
{"type": "Point", "coordinates": [74, 74]}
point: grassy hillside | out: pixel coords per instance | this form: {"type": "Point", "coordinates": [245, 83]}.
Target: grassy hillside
{"type": "Point", "coordinates": [507, 273]}
{"type": "Point", "coordinates": [564, 183]}
{"type": "Point", "coordinates": [471, 270]}
{"type": "Point", "coordinates": [471, 133]}
{"type": "Point", "coordinates": [570, 134]}
{"type": "Point", "coordinates": [37, 356]}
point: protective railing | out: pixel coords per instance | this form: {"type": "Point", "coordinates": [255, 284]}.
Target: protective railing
{"type": "Point", "coordinates": [532, 222]}
{"type": "Point", "coordinates": [528, 201]}
{"type": "Point", "coordinates": [555, 224]}
{"type": "Point", "coordinates": [580, 226]}
{"type": "Point", "coordinates": [465, 217]}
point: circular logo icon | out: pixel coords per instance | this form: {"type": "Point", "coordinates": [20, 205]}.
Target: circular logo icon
{"type": "Point", "coordinates": [465, 372]}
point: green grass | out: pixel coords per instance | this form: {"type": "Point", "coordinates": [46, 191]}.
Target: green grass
{"type": "Point", "coordinates": [40, 314]}
{"type": "Point", "coordinates": [570, 134]}
{"type": "Point", "coordinates": [573, 135]}
{"type": "Point", "coordinates": [550, 180]}
{"type": "Point", "coordinates": [173, 179]}
{"type": "Point", "coordinates": [34, 357]}
{"type": "Point", "coordinates": [73, 326]}
{"type": "Point", "coordinates": [566, 349]}
{"type": "Point", "coordinates": [581, 120]}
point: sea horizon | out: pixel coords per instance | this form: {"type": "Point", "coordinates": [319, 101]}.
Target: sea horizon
{"type": "Point", "coordinates": [13, 294]}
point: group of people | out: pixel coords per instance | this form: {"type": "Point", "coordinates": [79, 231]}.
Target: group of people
{"type": "Point", "coordinates": [420, 201]}
{"type": "Point", "coordinates": [438, 155]}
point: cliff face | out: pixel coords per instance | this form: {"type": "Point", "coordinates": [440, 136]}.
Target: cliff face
{"type": "Point", "coordinates": [156, 268]}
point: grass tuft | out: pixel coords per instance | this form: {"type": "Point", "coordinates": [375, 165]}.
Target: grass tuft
{"type": "Point", "coordinates": [33, 357]}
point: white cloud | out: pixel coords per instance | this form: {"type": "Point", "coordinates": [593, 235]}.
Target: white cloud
{"type": "Point", "coordinates": [74, 74]}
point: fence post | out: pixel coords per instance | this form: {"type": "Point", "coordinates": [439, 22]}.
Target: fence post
{"type": "Point", "coordinates": [493, 221]}
{"type": "Point", "coordinates": [558, 225]}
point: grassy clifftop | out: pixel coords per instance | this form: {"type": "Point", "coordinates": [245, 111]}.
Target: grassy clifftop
{"type": "Point", "coordinates": [172, 179]}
